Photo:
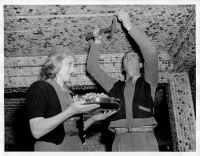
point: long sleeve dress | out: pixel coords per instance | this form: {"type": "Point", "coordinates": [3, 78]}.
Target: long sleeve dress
{"type": "Point", "coordinates": [46, 99]}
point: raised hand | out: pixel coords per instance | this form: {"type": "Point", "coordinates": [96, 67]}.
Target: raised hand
{"type": "Point", "coordinates": [97, 37]}
{"type": "Point", "coordinates": [125, 19]}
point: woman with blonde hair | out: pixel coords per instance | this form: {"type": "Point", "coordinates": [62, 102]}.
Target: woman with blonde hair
{"type": "Point", "coordinates": [53, 115]}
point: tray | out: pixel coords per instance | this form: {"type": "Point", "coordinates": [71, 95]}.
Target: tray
{"type": "Point", "coordinates": [106, 103]}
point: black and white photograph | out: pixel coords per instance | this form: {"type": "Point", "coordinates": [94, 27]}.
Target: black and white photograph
{"type": "Point", "coordinates": [99, 77]}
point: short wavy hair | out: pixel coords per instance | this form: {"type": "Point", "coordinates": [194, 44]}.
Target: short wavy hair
{"type": "Point", "coordinates": [53, 63]}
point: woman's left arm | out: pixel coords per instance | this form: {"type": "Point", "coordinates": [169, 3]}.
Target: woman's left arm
{"type": "Point", "coordinates": [98, 117]}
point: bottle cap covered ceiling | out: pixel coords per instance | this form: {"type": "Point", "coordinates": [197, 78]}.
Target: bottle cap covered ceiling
{"type": "Point", "coordinates": [31, 31]}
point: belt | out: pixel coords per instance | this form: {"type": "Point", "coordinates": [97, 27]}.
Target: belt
{"type": "Point", "coordinates": [71, 133]}
{"type": "Point", "coordinates": [137, 129]}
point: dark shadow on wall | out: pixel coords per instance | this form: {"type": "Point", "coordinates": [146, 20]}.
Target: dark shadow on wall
{"type": "Point", "coordinates": [192, 78]}
{"type": "Point", "coordinates": [17, 124]}
{"type": "Point", "coordinates": [21, 130]}
{"type": "Point", "coordinates": [161, 114]}
{"type": "Point", "coordinates": [107, 137]}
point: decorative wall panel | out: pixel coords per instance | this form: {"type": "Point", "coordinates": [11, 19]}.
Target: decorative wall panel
{"type": "Point", "coordinates": [181, 110]}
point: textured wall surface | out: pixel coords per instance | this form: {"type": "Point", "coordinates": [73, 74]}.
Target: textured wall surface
{"type": "Point", "coordinates": [30, 32]}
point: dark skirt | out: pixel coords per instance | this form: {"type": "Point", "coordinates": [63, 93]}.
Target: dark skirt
{"type": "Point", "coordinates": [70, 143]}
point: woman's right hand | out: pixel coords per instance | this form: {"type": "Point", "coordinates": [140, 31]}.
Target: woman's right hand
{"type": "Point", "coordinates": [79, 107]}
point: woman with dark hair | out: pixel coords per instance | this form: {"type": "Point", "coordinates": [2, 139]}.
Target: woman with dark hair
{"type": "Point", "coordinates": [53, 115]}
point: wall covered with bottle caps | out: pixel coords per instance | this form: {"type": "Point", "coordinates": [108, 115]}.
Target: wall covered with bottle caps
{"type": "Point", "coordinates": [31, 31]}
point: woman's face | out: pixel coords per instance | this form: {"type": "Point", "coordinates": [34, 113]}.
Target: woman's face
{"type": "Point", "coordinates": [67, 68]}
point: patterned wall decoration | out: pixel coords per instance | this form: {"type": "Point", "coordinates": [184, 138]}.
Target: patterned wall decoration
{"type": "Point", "coordinates": [181, 110]}
{"type": "Point", "coordinates": [31, 31]}
{"type": "Point", "coordinates": [183, 49]}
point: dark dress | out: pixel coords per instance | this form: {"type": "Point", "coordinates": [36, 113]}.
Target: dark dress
{"type": "Point", "coordinates": [70, 142]}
